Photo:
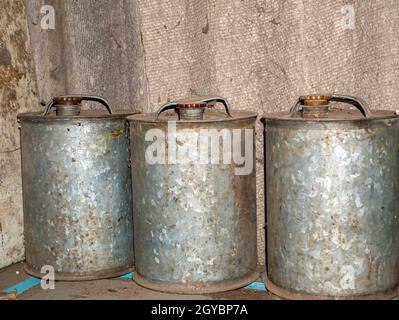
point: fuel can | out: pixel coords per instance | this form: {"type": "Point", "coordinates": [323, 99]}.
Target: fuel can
{"type": "Point", "coordinates": [77, 190]}
{"type": "Point", "coordinates": [194, 197]}
{"type": "Point", "coordinates": [332, 185]}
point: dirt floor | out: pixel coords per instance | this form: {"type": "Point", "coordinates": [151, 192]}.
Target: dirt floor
{"type": "Point", "coordinates": [117, 288]}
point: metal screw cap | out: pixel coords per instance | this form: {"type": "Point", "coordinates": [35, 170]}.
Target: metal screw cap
{"type": "Point", "coordinates": [68, 100]}
{"type": "Point", "coordinates": [315, 100]}
{"type": "Point", "coordinates": [193, 102]}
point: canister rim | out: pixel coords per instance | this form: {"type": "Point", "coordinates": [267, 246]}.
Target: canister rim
{"type": "Point", "coordinates": [84, 115]}
{"type": "Point", "coordinates": [211, 116]}
{"type": "Point", "coordinates": [340, 116]}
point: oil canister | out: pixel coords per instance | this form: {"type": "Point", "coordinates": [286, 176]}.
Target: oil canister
{"type": "Point", "coordinates": [77, 190]}
{"type": "Point", "coordinates": [194, 199]}
{"type": "Point", "coordinates": [332, 185]}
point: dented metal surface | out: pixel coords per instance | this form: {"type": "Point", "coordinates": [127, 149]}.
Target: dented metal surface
{"type": "Point", "coordinates": [77, 194]}
{"type": "Point", "coordinates": [332, 204]}
{"type": "Point", "coordinates": [194, 224]}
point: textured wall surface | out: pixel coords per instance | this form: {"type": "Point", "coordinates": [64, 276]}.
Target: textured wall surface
{"type": "Point", "coordinates": [259, 54]}
{"type": "Point", "coordinates": [95, 48]}
{"type": "Point", "coordinates": [17, 94]}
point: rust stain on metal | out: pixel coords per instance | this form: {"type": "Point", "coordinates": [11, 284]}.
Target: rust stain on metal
{"type": "Point", "coordinates": [118, 133]}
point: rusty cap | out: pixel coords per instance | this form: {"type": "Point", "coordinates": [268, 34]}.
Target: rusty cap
{"type": "Point", "coordinates": [191, 105]}
{"type": "Point", "coordinates": [193, 102]}
{"type": "Point", "coordinates": [68, 100]}
{"type": "Point", "coordinates": [315, 100]}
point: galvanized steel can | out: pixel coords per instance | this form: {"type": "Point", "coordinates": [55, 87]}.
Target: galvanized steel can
{"type": "Point", "coordinates": [332, 186]}
{"type": "Point", "coordinates": [77, 190]}
{"type": "Point", "coordinates": [194, 199]}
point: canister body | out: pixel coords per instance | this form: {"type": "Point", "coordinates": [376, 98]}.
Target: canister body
{"type": "Point", "coordinates": [332, 206]}
{"type": "Point", "coordinates": [195, 224]}
{"type": "Point", "coordinates": [77, 196]}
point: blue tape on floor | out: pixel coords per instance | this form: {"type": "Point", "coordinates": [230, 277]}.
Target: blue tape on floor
{"type": "Point", "coordinates": [256, 286]}
{"type": "Point", "coordinates": [127, 276]}
{"type": "Point", "coordinates": [29, 283]}
{"type": "Point", "coordinates": [23, 286]}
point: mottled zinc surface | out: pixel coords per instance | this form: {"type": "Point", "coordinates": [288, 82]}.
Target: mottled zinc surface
{"type": "Point", "coordinates": [77, 195]}
{"type": "Point", "coordinates": [195, 224]}
{"type": "Point", "coordinates": [333, 226]}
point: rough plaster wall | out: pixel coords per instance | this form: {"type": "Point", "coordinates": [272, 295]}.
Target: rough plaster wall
{"type": "Point", "coordinates": [260, 54]}
{"type": "Point", "coordinates": [95, 48]}
{"type": "Point", "coordinates": [17, 94]}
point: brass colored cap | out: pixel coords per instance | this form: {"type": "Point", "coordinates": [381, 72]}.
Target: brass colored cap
{"type": "Point", "coordinates": [315, 100]}
{"type": "Point", "coordinates": [68, 100]}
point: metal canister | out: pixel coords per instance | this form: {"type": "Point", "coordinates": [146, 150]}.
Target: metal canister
{"type": "Point", "coordinates": [194, 213]}
{"type": "Point", "coordinates": [77, 190]}
{"type": "Point", "coordinates": [332, 185]}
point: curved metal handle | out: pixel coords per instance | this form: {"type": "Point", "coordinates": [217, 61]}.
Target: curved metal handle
{"type": "Point", "coordinates": [166, 106]}
{"type": "Point", "coordinates": [51, 102]}
{"type": "Point", "coordinates": [209, 101]}
{"type": "Point", "coordinates": [213, 100]}
{"type": "Point", "coordinates": [360, 104]}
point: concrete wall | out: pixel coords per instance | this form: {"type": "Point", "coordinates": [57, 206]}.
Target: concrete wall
{"type": "Point", "coordinates": [17, 94]}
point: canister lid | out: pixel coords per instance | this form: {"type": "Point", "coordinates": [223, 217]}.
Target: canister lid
{"type": "Point", "coordinates": [84, 114]}
{"type": "Point", "coordinates": [194, 109]}
{"type": "Point", "coordinates": [209, 116]}
{"type": "Point", "coordinates": [318, 108]}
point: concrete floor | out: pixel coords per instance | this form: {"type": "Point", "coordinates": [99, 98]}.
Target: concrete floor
{"type": "Point", "coordinates": [116, 288]}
